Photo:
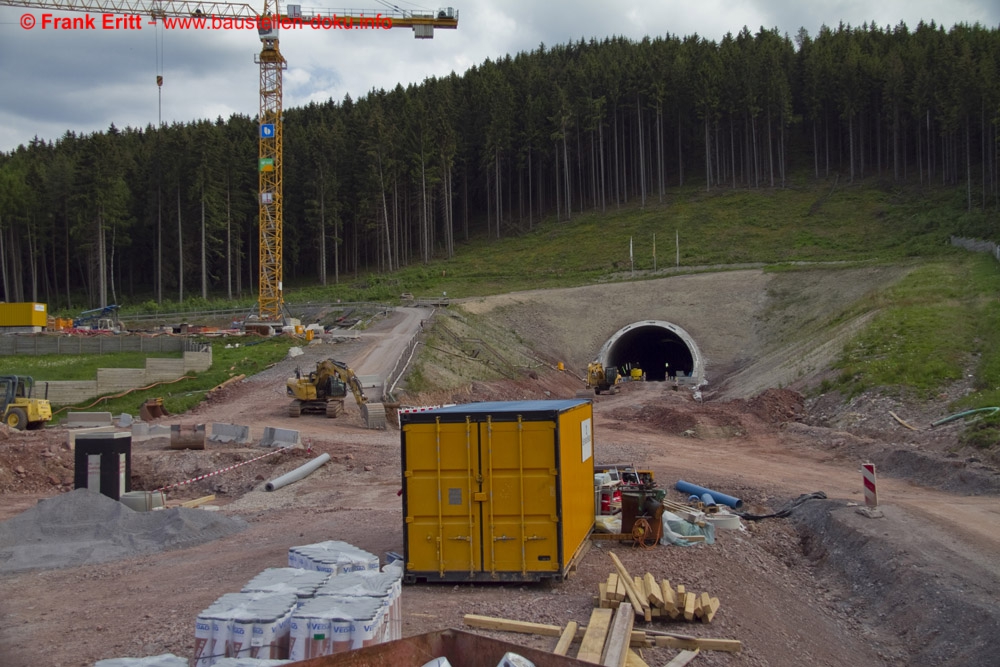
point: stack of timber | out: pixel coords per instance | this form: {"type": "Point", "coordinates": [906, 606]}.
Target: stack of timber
{"type": "Point", "coordinates": [653, 598]}
{"type": "Point", "coordinates": [609, 638]}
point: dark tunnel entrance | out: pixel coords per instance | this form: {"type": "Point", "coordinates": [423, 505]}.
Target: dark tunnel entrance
{"type": "Point", "coordinates": [659, 348]}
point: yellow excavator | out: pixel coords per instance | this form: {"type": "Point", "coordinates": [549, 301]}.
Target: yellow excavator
{"type": "Point", "coordinates": [323, 391]}
{"type": "Point", "coordinates": [602, 379]}
{"type": "Point", "coordinates": [19, 408]}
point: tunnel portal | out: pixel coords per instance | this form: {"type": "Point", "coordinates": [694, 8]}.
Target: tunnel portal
{"type": "Point", "coordinates": [659, 348]}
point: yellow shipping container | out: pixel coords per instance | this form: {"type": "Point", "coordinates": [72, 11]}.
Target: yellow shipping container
{"type": "Point", "coordinates": [497, 491]}
{"type": "Point", "coordinates": [23, 315]}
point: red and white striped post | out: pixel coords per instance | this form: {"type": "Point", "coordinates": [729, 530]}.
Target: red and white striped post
{"type": "Point", "coordinates": [871, 494]}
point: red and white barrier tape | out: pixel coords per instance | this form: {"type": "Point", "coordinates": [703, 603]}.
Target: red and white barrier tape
{"type": "Point", "coordinates": [871, 494]}
{"type": "Point", "coordinates": [217, 472]}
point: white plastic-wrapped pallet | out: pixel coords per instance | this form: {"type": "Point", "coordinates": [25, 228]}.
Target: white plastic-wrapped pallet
{"type": "Point", "coordinates": [303, 583]}
{"type": "Point", "coordinates": [385, 586]}
{"type": "Point", "coordinates": [164, 660]}
{"type": "Point", "coordinates": [328, 624]}
{"type": "Point", "coordinates": [244, 625]}
{"type": "Point", "coordinates": [333, 556]}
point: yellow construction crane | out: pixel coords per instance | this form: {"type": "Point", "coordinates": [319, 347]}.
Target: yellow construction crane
{"type": "Point", "coordinates": [269, 21]}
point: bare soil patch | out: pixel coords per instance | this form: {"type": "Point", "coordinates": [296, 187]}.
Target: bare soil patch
{"type": "Point", "coordinates": [825, 587]}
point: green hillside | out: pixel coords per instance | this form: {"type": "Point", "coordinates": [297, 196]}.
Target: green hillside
{"type": "Point", "coordinates": [809, 221]}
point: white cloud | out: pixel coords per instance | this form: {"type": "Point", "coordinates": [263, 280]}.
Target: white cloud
{"type": "Point", "coordinates": [85, 81]}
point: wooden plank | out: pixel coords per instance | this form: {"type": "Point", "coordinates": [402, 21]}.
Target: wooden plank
{"type": "Point", "coordinates": [617, 643]}
{"type": "Point", "coordinates": [602, 598]}
{"type": "Point", "coordinates": [729, 645]}
{"type": "Point", "coordinates": [683, 658]}
{"type": "Point", "coordinates": [713, 606]}
{"type": "Point", "coordinates": [613, 587]}
{"type": "Point", "coordinates": [198, 501]}
{"type": "Point", "coordinates": [653, 592]}
{"type": "Point", "coordinates": [592, 645]}
{"type": "Point", "coordinates": [508, 625]}
{"type": "Point", "coordinates": [566, 639]}
{"type": "Point", "coordinates": [689, 606]}
{"type": "Point", "coordinates": [620, 593]}
{"type": "Point", "coordinates": [669, 598]}
{"type": "Point", "coordinates": [703, 605]}
{"type": "Point", "coordinates": [639, 638]}
{"type": "Point", "coordinates": [633, 597]}
{"type": "Point", "coordinates": [633, 659]}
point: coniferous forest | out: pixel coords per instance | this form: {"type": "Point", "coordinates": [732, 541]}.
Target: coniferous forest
{"type": "Point", "coordinates": [397, 177]}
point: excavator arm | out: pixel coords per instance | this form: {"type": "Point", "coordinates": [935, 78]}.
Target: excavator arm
{"type": "Point", "coordinates": [330, 381]}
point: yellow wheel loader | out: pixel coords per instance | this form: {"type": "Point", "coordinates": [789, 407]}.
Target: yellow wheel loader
{"type": "Point", "coordinates": [322, 392]}
{"type": "Point", "coordinates": [20, 409]}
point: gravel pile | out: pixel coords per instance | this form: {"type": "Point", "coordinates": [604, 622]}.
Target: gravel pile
{"type": "Point", "coordinates": [83, 527]}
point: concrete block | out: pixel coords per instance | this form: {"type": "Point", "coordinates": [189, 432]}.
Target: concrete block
{"type": "Point", "coordinates": [280, 437]}
{"type": "Point", "coordinates": [230, 433]}
{"type": "Point", "coordinates": [72, 435]}
{"type": "Point", "coordinates": [146, 430]}
{"type": "Point", "coordinates": [87, 419]}
{"type": "Point", "coordinates": [125, 420]}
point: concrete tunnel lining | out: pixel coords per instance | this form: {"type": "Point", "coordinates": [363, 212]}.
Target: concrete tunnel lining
{"type": "Point", "coordinates": [656, 346]}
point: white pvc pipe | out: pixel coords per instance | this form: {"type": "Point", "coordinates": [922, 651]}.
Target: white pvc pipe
{"type": "Point", "coordinates": [297, 474]}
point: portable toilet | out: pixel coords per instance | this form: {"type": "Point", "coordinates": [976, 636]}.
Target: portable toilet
{"type": "Point", "coordinates": [497, 491]}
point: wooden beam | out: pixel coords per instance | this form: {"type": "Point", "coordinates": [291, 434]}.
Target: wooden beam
{"type": "Point", "coordinates": [653, 592]}
{"type": "Point", "coordinates": [508, 625]}
{"type": "Point", "coordinates": [198, 501]}
{"type": "Point", "coordinates": [683, 658]}
{"type": "Point", "coordinates": [616, 646]}
{"type": "Point", "coordinates": [634, 660]}
{"type": "Point", "coordinates": [729, 645]}
{"type": "Point", "coordinates": [713, 606]}
{"type": "Point", "coordinates": [633, 597]}
{"type": "Point", "coordinates": [689, 603]}
{"type": "Point", "coordinates": [592, 645]}
{"type": "Point", "coordinates": [566, 639]}
{"type": "Point", "coordinates": [613, 587]}
{"type": "Point", "coordinates": [669, 598]}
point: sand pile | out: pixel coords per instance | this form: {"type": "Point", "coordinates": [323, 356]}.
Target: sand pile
{"type": "Point", "coordinates": [83, 527]}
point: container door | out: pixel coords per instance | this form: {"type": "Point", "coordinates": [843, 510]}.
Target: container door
{"type": "Point", "coordinates": [442, 515]}
{"type": "Point", "coordinates": [520, 512]}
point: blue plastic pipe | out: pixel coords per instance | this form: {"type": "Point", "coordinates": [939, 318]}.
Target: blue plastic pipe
{"type": "Point", "coordinates": [708, 499]}
{"type": "Point", "coordinates": [687, 487]}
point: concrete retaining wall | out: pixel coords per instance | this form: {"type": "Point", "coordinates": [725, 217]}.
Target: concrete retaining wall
{"type": "Point", "coordinates": [117, 380]}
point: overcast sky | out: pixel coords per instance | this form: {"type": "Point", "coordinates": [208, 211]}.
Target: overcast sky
{"type": "Point", "coordinates": [51, 81]}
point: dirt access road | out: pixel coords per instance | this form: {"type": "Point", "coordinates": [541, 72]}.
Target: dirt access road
{"type": "Point", "coordinates": [825, 587]}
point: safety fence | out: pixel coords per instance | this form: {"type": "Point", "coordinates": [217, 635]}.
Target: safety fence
{"type": "Point", "coordinates": [977, 245]}
{"type": "Point", "coordinates": [47, 343]}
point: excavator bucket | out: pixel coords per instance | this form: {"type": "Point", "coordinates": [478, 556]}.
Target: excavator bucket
{"type": "Point", "coordinates": [374, 414]}
{"type": "Point", "coordinates": [152, 409]}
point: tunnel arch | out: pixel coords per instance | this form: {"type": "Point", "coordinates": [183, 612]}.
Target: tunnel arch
{"type": "Point", "coordinates": [655, 346]}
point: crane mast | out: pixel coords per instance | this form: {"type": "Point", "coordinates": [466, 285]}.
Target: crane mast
{"type": "Point", "coordinates": [270, 301]}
